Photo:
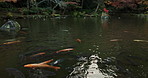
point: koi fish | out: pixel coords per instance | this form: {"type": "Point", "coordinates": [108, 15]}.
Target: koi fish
{"type": "Point", "coordinates": [78, 40]}
{"type": "Point", "coordinates": [69, 49]}
{"type": "Point", "coordinates": [114, 40]}
{"type": "Point", "coordinates": [42, 65]}
{"type": "Point", "coordinates": [42, 53]}
{"type": "Point", "coordinates": [140, 40]}
{"type": "Point", "coordinates": [57, 62]}
{"type": "Point", "coordinates": [12, 42]}
{"type": "Point", "coordinates": [45, 62]}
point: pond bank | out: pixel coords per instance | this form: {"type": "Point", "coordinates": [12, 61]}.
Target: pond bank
{"type": "Point", "coordinates": [42, 16]}
{"type": "Point", "coordinates": [9, 15]}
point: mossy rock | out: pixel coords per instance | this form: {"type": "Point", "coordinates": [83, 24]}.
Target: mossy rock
{"type": "Point", "coordinates": [11, 25]}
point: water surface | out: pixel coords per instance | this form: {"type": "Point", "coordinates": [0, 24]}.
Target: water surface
{"type": "Point", "coordinates": [114, 41]}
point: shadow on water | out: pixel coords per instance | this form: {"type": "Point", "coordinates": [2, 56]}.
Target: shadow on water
{"type": "Point", "coordinates": [119, 42]}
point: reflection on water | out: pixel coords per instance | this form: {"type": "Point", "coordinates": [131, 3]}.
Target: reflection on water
{"type": "Point", "coordinates": [112, 42]}
{"type": "Point", "coordinates": [89, 68]}
{"type": "Point", "coordinates": [94, 71]}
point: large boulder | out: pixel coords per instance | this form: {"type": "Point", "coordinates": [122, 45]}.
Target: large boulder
{"type": "Point", "coordinates": [10, 26]}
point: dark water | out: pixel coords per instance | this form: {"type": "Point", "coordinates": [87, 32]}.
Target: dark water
{"type": "Point", "coordinates": [114, 41]}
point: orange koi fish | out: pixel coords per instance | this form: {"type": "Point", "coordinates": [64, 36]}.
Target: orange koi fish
{"type": "Point", "coordinates": [48, 61]}
{"type": "Point", "coordinates": [42, 65]}
{"type": "Point", "coordinates": [114, 40]}
{"type": "Point", "coordinates": [42, 53]}
{"type": "Point", "coordinates": [69, 49]}
{"type": "Point", "coordinates": [12, 42]}
{"type": "Point", "coordinates": [78, 40]}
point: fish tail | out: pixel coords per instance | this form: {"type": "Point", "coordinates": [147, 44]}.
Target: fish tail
{"type": "Point", "coordinates": [54, 67]}
{"type": "Point", "coordinates": [58, 51]}
{"type": "Point", "coordinates": [47, 61]}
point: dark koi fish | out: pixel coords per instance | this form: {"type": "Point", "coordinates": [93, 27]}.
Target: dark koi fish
{"type": "Point", "coordinates": [69, 49]}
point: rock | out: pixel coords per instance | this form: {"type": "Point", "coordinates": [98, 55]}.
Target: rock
{"type": "Point", "coordinates": [15, 72]}
{"type": "Point", "coordinates": [104, 15]}
{"type": "Point", "coordinates": [10, 26]}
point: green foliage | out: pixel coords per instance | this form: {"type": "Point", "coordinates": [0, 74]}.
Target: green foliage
{"type": "Point", "coordinates": [95, 14]}
{"type": "Point", "coordinates": [5, 5]}
{"type": "Point", "coordinates": [74, 6]}
{"type": "Point", "coordinates": [77, 8]}
{"type": "Point", "coordinates": [8, 7]}
{"type": "Point", "coordinates": [9, 14]}
{"type": "Point", "coordinates": [42, 11]}
{"type": "Point", "coordinates": [79, 14]}
{"type": "Point", "coordinates": [55, 15]}
{"type": "Point", "coordinates": [45, 13]}
{"type": "Point", "coordinates": [146, 12]}
{"type": "Point", "coordinates": [12, 9]}
{"type": "Point", "coordinates": [25, 11]}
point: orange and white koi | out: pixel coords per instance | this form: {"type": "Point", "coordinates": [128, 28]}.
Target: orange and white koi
{"type": "Point", "coordinates": [69, 49]}
{"type": "Point", "coordinates": [114, 40]}
{"type": "Point", "coordinates": [140, 40]}
{"type": "Point", "coordinates": [42, 65]}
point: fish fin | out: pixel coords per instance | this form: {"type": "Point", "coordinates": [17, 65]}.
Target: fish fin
{"type": "Point", "coordinates": [45, 62]}
{"type": "Point", "coordinates": [54, 67]}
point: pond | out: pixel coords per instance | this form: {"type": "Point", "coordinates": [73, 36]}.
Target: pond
{"type": "Point", "coordinates": [121, 43]}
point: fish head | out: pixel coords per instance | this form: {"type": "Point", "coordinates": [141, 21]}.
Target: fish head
{"type": "Point", "coordinates": [29, 65]}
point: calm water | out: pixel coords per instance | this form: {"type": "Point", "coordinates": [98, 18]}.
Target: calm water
{"type": "Point", "coordinates": [114, 41]}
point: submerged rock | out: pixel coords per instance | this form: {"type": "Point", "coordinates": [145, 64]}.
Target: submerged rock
{"type": "Point", "coordinates": [104, 15]}
{"type": "Point", "coordinates": [40, 73]}
{"type": "Point", "coordinates": [15, 72]}
{"type": "Point", "coordinates": [11, 26]}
